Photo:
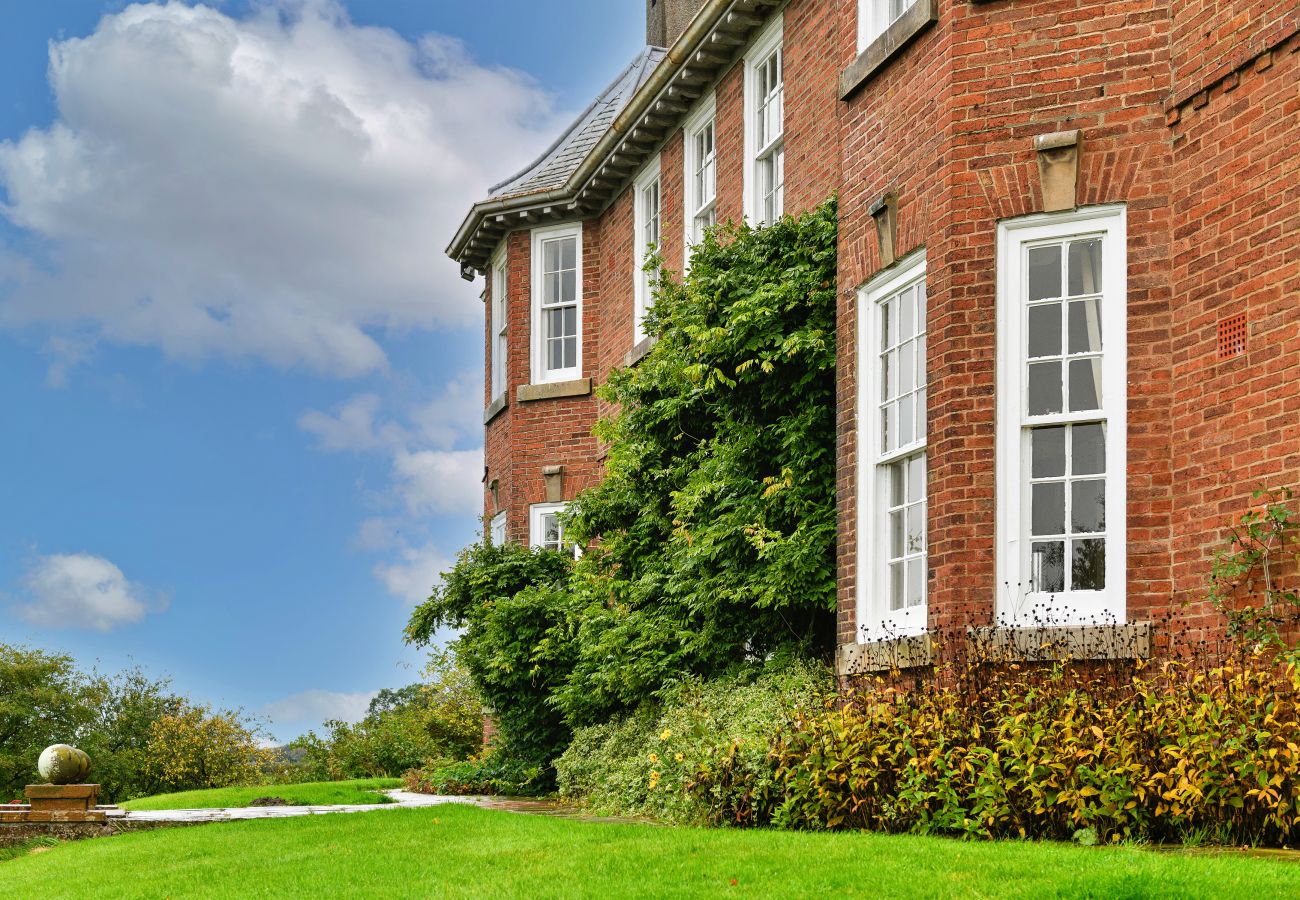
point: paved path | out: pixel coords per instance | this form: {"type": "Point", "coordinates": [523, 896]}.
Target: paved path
{"type": "Point", "coordinates": [402, 800]}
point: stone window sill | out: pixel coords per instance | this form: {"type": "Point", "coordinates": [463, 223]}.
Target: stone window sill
{"type": "Point", "coordinates": [552, 390]}
{"type": "Point", "coordinates": [1074, 642]}
{"type": "Point", "coordinates": [891, 42]}
{"type": "Point", "coordinates": [638, 352]}
{"type": "Point", "coordinates": [881, 656]}
{"type": "Point", "coordinates": [496, 407]}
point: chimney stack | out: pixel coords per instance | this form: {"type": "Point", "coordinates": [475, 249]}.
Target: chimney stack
{"type": "Point", "coordinates": [665, 20]}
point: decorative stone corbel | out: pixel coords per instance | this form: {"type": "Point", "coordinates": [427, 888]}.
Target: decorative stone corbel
{"type": "Point", "coordinates": [494, 488]}
{"type": "Point", "coordinates": [554, 476]}
{"type": "Point", "coordinates": [885, 212]}
{"type": "Point", "coordinates": [1058, 169]}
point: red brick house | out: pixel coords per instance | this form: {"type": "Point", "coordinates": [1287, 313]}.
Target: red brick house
{"type": "Point", "coordinates": [1069, 318]}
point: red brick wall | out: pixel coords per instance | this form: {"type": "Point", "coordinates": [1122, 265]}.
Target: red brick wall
{"type": "Point", "coordinates": [949, 125]}
{"type": "Point", "coordinates": [1236, 250]}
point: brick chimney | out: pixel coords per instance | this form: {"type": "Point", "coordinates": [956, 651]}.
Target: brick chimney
{"type": "Point", "coordinates": [665, 20]}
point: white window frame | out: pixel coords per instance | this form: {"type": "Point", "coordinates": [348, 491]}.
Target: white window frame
{"type": "Point", "coordinates": [536, 521]}
{"type": "Point", "coordinates": [497, 529]}
{"type": "Point", "coordinates": [700, 212]}
{"type": "Point", "coordinates": [499, 320]}
{"type": "Point", "coordinates": [874, 618]}
{"type": "Point", "coordinates": [1015, 604]}
{"type": "Point", "coordinates": [643, 293]}
{"type": "Point", "coordinates": [769, 41]}
{"type": "Point", "coordinates": [874, 16]}
{"type": "Point", "coordinates": [540, 374]}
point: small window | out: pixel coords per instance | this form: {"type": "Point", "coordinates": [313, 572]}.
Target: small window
{"type": "Point", "coordinates": [874, 16]}
{"type": "Point", "coordinates": [557, 303]}
{"type": "Point", "coordinates": [701, 155]}
{"type": "Point", "coordinates": [498, 323]}
{"type": "Point", "coordinates": [647, 226]}
{"type": "Point", "coordinates": [497, 530]}
{"type": "Point", "coordinates": [892, 434]}
{"type": "Point", "coordinates": [1061, 418]}
{"type": "Point", "coordinates": [547, 530]}
{"type": "Point", "coordinates": [765, 134]}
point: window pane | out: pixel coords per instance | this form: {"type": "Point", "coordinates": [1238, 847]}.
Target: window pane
{"type": "Point", "coordinates": [906, 314]}
{"type": "Point", "coordinates": [1085, 267]}
{"type": "Point", "coordinates": [1047, 566]}
{"type": "Point", "coordinates": [570, 352]}
{"type": "Point", "coordinates": [916, 479]}
{"type": "Point", "coordinates": [1088, 569]}
{"type": "Point", "coordinates": [1048, 452]}
{"type": "Point", "coordinates": [888, 428]}
{"type": "Point", "coordinates": [906, 374]}
{"type": "Point", "coordinates": [897, 539]}
{"type": "Point", "coordinates": [1045, 330]}
{"type": "Point", "coordinates": [1044, 272]}
{"type": "Point", "coordinates": [915, 582]}
{"type": "Point", "coordinates": [1088, 453]}
{"type": "Point", "coordinates": [920, 361]}
{"type": "Point", "coordinates": [920, 414]}
{"type": "Point", "coordinates": [897, 488]}
{"type": "Point", "coordinates": [896, 586]}
{"type": "Point", "coordinates": [1085, 326]}
{"type": "Point", "coordinates": [568, 287]}
{"type": "Point", "coordinates": [1088, 506]}
{"type": "Point", "coordinates": [550, 530]}
{"type": "Point", "coordinates": [1044, 388]}
{"type": "Point", "coordinates": [1085, 384]}
{"type": "Point", "coordinates": [905, 421]}
{"type": "Point", "coordinates": [550, 256]}
{"type": "Point", "coordinates": [570, 320]}
{"type": "Point", "coordinates": [915, 529]}
{"type": "Point", "coordinates": [1048, 508]}
{"type": "Point", "coordinates": [569, 257]}
{"type": "Point", "coordinates": [555, 354]}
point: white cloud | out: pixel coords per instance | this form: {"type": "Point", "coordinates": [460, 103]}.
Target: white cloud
{"type": "Point", "coordinates": [413, 578]}
{"type": "Point", "coordinates": [454, 415]}
{"type": "Point", "coordinates": [318, 706]}
{"type": "Point", "coordinates": [278, 187]}
{"type": "Point", "coordinates": [352, 428]}
{"type": "Point", "coordinates": [82, 591]}
{"type": "Point", "coordinates": [449, 482]}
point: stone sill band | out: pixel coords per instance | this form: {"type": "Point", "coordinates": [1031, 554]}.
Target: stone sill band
{"type": "Point", "coordinates": [638, 352]}
{"type": "Point", "coordinates": [891, 42]}
{"type": "Point", "coordinates": [578, 387]}
{"type": "Point", "coordinates": [496, 407]}
{"type": "Point", "coordinates": [1021, 644]}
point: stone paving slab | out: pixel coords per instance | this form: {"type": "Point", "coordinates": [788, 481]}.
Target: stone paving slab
{"type": "Point", "coordinates": [402, 800]}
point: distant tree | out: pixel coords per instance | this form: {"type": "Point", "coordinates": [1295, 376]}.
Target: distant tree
{"type": "Point", "coordinates": [199, 748]}
{"type": "Point", "coordinates": [43, 700]}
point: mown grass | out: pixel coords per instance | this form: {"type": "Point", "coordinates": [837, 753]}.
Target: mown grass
{"type": "Point", "coordinates": [312, 793]}
{"type": "Point", "coordinates": [460, 851]}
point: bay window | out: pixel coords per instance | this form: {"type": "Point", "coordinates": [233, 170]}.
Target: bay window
{"type": "Point", "coordinates": [892, 508]}
{"type": "Point", "coordinates": [1062, 409]}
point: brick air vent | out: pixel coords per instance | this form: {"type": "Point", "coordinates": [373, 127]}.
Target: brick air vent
{"type": "Point", "coordinates": [1232, 336]}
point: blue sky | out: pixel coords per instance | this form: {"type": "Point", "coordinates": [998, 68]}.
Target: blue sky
{"type": "Point", "coordinates": [240, 385]}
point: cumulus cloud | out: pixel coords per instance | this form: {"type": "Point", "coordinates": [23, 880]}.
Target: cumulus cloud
{"type": "Point", "coordinates": [353, 427]}
{"type": "Point", "coordinates": [414, 576]}
{"type": "Point", "coordinates": [277, 187]}
{"type": "Point", "coordinates": [320, 706]}
{"type": "Point", "coordinates": [78, 590]}
{"type": "Point", "coordinates": [440, 481]}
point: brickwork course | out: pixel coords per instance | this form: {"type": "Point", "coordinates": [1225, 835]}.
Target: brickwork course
{"type": "Point", "coordinates": [1187, 114]}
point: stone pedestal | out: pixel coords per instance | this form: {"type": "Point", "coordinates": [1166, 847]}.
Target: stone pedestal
{"type": "Point", "coordinates": [58, 803]}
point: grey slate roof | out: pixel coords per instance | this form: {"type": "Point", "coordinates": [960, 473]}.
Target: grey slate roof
{"type": "Point", "coordinates": [553, 168]}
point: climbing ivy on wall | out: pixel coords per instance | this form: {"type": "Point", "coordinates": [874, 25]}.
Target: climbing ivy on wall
{"type": "Point", "coordinates": [712, 536]}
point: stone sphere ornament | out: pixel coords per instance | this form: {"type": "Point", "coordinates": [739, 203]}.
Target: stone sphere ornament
{"type": "Point", "coordinates": [61, 764]}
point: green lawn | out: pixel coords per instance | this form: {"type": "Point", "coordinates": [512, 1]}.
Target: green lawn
{"type": "Point", "coordinates": [461, 851]}
{"type": "Point", "coordinates": [313, 793]}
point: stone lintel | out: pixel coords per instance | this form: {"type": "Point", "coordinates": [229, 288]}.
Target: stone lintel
{"type": "Point", "coordinates": [496, 406]}
{"type": "Point", "coordinates": [1058, 169]}
{"type": "Point", "coordinates": [881, 656]}
{"type": "Point", "coordinates": [891, 42]}
{"type": "Point", "coordinates": [1033, 643]}
{"type": "Point", "coordinates": [552, 390]}
{"type": "Point", "coordinates": [553, 476]}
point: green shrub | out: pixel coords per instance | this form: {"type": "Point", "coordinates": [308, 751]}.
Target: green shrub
{"type": "Point", "coordinates": [441, 717]}
{"type": "Point", "coordinates": [1167, 754]}
{"type": "Point", "coordinates": [493, 774]}
{"type": "Point", "coordinates": [662, 760]}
